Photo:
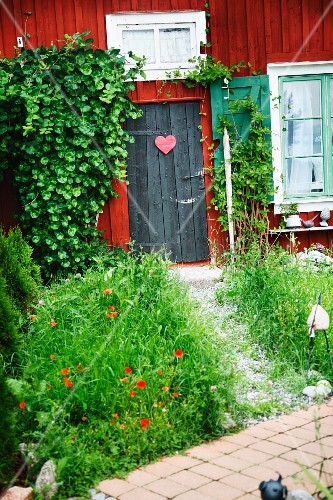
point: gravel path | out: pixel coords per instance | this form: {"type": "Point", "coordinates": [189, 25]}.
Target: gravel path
{"type": "Point", "coordinates": [252, 367]}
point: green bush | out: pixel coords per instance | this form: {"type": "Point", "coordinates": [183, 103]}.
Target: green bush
{"type": "Point", "coordinates": [274, 294]}
{"type": "Point", "coordinates": [22, 275]}
{"type": "Point", "coordinates": [8, 437]}
{"type": "Point", "coordinates": [8, 322]}
{"type": "Point", "coordinates": [120, 369]}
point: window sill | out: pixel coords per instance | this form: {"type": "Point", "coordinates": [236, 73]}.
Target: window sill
{"type": "Point", "coordinates": [300, 229]}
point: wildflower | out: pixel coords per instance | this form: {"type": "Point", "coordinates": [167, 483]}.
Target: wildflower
{"type": "Point", "coordinates": [141, 384]}
{"type": "Point", "coordinates": [52, 322]}
{"type": "Point", "coordinates": [107, 291]}
{"type": "Point", "coordinates": [41, 302]}
{"type": "Point", "coordinates": [132, 394]}
{"type": "Point", "coordinates": [84, 418]}
{"type": "Point", "coordinates": [144, 422]}
{"type": "Point", "coordinates": [155, 405]}
{"type": "Point", "coordinates": [213, 387]}
{"type": "Point", "coordinates": [113, 314]}
{"type": "Point", "coordinates": [128, 370]}
{"type": "Point", "coordinates": [122, 426]}
{"type": "Point", "coordinates": [33, 317]}
{"type": "Point", "coordinates": [165, 389]}
{"type": "Point", "coordinates": [65, 371]}
{"type": "Point", "coordinates": [115, 415]}
{"type": "Point", "coordinates": [23, 405]}
{"type": "Point", "coordinates": [174, 395]}
{"type": "Point", "coordinates": [67, 382]}
{"type": "Point", "coordinates": [125, 379]}
{"type": "Point", "coordinates": [159, 372]}
{"type": "Point", "coordinates": [52, 356]}
{"type": "Point", "coordinates": [179, 353]}
{"type": "Point", "coordinates": [270, 383]}
{"type": "Point", "coordinates": [49, 387]}
{"type": "Point", "coordinates": [161, 403]}
{"type": "Point", "coordinates": [111, 308]}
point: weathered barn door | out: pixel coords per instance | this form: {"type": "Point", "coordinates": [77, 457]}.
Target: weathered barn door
{"type": "Point", "coordinates": [166, 194]}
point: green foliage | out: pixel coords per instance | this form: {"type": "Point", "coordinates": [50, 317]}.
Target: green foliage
{"type": "Point", "coordinates": [111, 329]}
{"type": "Point", "coordinates": [61, 130]}
{"type": "Point", "coordinates": [8, 322]}
{"type": "Point", "coordinates": [21, 274]}
{"type": "Point", "coordinates": [207, 70]}
{"type": "Point", "coordinates": [252, 171]}
{"type": "Point", "coordinates": [8, 438]}
{"type": "Point", "coordinates": [274, 296]}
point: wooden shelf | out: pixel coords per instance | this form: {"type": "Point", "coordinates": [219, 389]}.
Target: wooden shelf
{"type": "Point", "coordinates": [300, 229]}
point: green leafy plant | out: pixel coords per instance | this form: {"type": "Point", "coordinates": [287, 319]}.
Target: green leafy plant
{"type": "Point", "coordinates": [251, 177]}
{"type": "Point", "coordinates": [119, 368]}
{"type": "Point", "coordinates": [288, 209]}
{"type": "Point", "coordinates": [61, 131]}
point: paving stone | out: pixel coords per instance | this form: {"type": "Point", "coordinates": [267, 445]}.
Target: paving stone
{"type": "Point", "coordinates": [284, 467]}
{"type": "Point", "coordinates": [234, 464]}
{"type": "Point", "coordinates": [211, 471]}
{"type": "Point", "coordinates": [204, 452]}
{"type": "Point", "coordinates": [241, 481]}
{"type": "Point", "coordinates": [260, 472]}
{"type": "Point", "coordinates": [189, 478]}
{"type": "Point", "coordinates": [182, 462]}
{"type": "Point", "coordinates": [220, 491]}
{"type": "Point", "coordinates": [167, 488]}
{"type": "Point", "coordinates": [319, 448]}
{"type": "Point", "coordinates": [252, 456]}
{"type": "Point", "coordinates": [306, 435]}
{"type": "Point", "coordinates": [161, 469]}
{"type": "Point", "coordinates": [191, 495]}
{"type": "Point", "coordinates": [288, 440]}
{"type": "Point", "coordinates": [323, 430]}
{"type": "Point", "coordinates": [260, 432]}
{"type": "Point", "coordinates": [241, 439]}
{"type": "Point", "coordinates": [276, 425]}
{"type": "Point", "coordinates": [115, 487]}
{"type": "Point", "coordinates": [141, 494]}
{"type": "Point", "coordinates": [301, 457]}
{"type": "Point", "coordinates": [326, 466]}
{"type": "Point", "coordinates": [226, 447]}
{"type": "Point", "coordinates": [294, 420]}
{"type": "Point", "coordinates": [270, 447]}
{"type": "Point", "coordinates": [140, 477]}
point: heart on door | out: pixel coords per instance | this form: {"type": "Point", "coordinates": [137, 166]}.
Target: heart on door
{"type": "Point", "coordinates": [165, 144]}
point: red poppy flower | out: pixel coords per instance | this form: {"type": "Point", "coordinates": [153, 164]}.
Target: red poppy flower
{"type": "Point", "coordinates": [174, 395]}
{"type": "Point", "coordinates": [179, 353]}
{"type": "Point", "coordinates": [22, 405]}
{"type": "Point", "coordinates": [141, 384]}
{"type": "Point", "coordinates": [132, 394]}
{"type": "Point", "coordinates": [111, 308]}
{"type": "Point", "coordinates": [52, 322]}
{"type": "Point", "coordinates": [122, 426]}
{"type": "Point", "coordinates": [161, 403]}
{"type": "Point", "coordinates": [128, 370]}
{"type": "Point", "coordinates": [115, 415]}
{"type": "Point", "coordinates": [84, 418]}
{"type": "Point", "coordinates": [49, 387]}
{"type": "Point", "coordinates": [33, 316]}
{"type": "Point", "coordinates": [165, 389]}
{"type": "Point", "coordinates": [144, 422]}
{"type": "Point", "coordinates": [65, 371]}
{"type": "Point", "coordinates": [107, 291]}
{"type": "Point", "coordinates": [113, 314]}
{"type": "Point", "coordinates": [52, 356]}
{"type": "Point", "coordinates": [125, 379]}
{"type": "Point", "coordinates": [159, 372]}
{"type": "Point", "coordinates": [68, 383]}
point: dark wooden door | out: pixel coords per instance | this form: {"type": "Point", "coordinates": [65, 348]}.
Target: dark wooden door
{"type": "Point", "coordinates": [166, 193]}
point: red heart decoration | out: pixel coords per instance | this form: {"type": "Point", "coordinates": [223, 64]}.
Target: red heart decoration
{"type": "Point", "coordinates": [165, 144]}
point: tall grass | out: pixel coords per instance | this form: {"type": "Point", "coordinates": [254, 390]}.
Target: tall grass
{"type": "Point", "coordinates": [274, 294]}
{"type": "Point", "coordinates": [118, 369]}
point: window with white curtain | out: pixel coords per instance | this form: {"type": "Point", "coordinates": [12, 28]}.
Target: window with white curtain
{"type": "Point", "coordinates": [168, 40]}
{"type": "Point", "coordinates": [302, 124]}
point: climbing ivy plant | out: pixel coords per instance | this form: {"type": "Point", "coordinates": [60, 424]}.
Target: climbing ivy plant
{"type": "Point", "coordinates": [252, 173]}
{"type": "Point", "coordinates": [61, 132]}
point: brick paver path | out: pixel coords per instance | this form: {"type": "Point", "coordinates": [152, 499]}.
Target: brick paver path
{"type": "Point", "coordinates": [233, 466]}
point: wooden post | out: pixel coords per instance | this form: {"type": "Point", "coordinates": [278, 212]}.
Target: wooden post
{"type": "Point", "coordinates": [227, 166]}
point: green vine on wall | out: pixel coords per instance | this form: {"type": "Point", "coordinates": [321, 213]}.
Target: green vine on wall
{"type": "Point", "coordinates": [61, 132]}
{"type": "Point", "coordinates": [252, 172]}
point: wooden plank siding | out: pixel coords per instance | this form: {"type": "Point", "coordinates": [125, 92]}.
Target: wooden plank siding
{"type": "Point", "coordinates": [255, 31]}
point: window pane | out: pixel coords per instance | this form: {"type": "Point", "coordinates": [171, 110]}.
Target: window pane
{"type": "Point", "coordinates": [304, 175]}
{"type": "Point", "coordinates": [140, 42]}
{"type": "Point", "coordinates": [303, 137]}
{"type": "Point", "coordinates": [301, 99]}
{"type": "Point", "coordinates": [331, 92]}
{"type": "Point", "coordinates": [175, 44]}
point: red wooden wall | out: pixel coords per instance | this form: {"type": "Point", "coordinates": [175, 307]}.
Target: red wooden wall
{"type": "Point", "coordinates": [255, 31]}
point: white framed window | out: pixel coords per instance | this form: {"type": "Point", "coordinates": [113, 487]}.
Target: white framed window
{"type": "Point", "coordinates": [302, 124]}
{"type": "Point", "coordinates": [167, 39]}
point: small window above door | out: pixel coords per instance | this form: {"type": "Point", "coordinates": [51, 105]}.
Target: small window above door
{"type": "Point", "coordinates": [168, 40]}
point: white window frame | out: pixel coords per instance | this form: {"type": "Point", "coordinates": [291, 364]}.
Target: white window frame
{"type": "Point", "coordinates": [275, 71]}
{"type": "Point", "coordinates": [194, 20]}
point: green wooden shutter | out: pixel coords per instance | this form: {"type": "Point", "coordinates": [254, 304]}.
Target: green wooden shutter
{"type": "Point", "coordinates": [256, 87]}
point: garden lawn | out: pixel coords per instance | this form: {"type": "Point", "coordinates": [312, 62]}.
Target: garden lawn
{"type": "Point", "coordinates": [119, 368]}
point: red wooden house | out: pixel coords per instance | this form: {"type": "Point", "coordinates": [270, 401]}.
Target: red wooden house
{"type": "Point", "coordinates": [165, 203]}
